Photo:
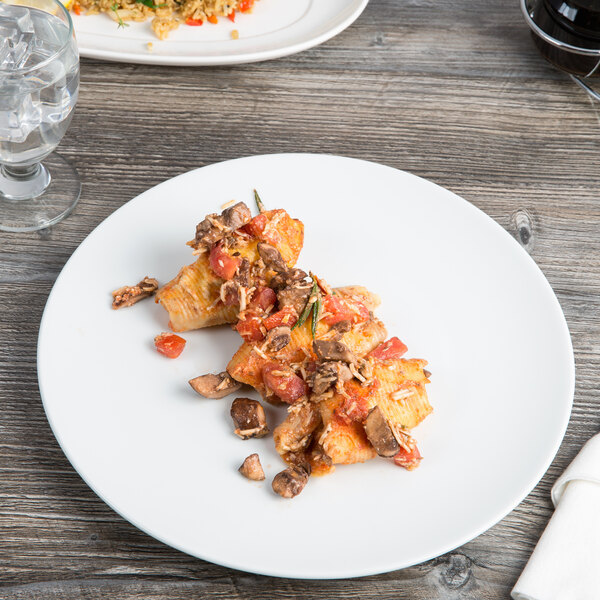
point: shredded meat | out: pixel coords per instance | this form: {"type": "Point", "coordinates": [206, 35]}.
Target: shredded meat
{"type": "Point", "coordinates": [242, 275]}
{"type": "Point", "coordinates": [215, 227]}
{"type": "Point", "coordinates": [281, 280]}
{"type": "Point", "coordinates": [129, 295]}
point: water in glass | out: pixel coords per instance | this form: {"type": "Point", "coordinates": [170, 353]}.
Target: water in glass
{"type": "Point", "coordinates": [38, 87]}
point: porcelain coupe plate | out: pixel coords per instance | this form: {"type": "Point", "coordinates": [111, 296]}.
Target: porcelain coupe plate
{"type": "Point", "coordinates": [275, 28]}
{"type": "Point", "coordinates": [455, 287]}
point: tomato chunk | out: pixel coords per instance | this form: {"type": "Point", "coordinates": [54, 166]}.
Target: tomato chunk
{"type": "Point", "coordinates": [245, 5]}
{"type": "Point", "coordinates": [256, 226]}
{"type": "Point", "coordinates": [194, 22]}
{"type": "Point", "coordinates": [169, 344]}
{"type": "Point", "coordinates": [283, 382]}
{"type": "Point", "coordinates": [408, 460]}
{"type": "Point", "coordinates": [285, 316]}
{"type": "Point", "coordinates": [249, 327]}
{"type": "Point", "coordinates": [222, 264]}
{"type": "Point", "coordinates": [263, 298]}
{"type": "Point", "coordinates": [390, 350]}
{"type": "Point", "coordinates": [343, 309]}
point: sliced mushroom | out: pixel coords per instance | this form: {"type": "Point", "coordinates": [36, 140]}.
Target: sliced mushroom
{"type": "Point", "coordinates": [278, 338]}
{"type": "Point", "coordinates": [295, 294]}
{"type": "Point", "coordinates": [272, 257]}
{"type": "Point", "coordinates": [249, 418]}
{"type": "Point", "coordinates": [235, 216]}
{"type": "Point", "coordinates": [252, 469]}
{"type": "Point", "coordinates": [333, 350]}
{"type": "Point", "coordinates": [380, 433]}
{"type": "Point", "coordinates": [291, 481]}
{"type": "Point", "coordinates": [327, 374]}
{"type": "Point", "coordinates": [215, 227]}
{"type": "Point", "coordinates": [215, 386]}
{"type": "Point", "coordinates": [128, 295]}
{"type": "Point", "coordinates": [340, 328]}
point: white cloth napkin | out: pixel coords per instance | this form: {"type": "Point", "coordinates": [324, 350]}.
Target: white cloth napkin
{"type": "Point", "coordinates": [565, 564]}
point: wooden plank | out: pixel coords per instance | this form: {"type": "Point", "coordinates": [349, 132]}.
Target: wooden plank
{"type": "Point", "coordinates": [454, 92]}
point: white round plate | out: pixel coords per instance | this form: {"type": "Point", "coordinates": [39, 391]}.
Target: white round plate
{"type": "Point", "coordinates": [275, 28]}
{"type": "Point", "coordinates": [455, 287]}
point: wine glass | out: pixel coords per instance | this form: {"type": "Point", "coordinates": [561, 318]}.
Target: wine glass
{"type": "Point", "coordinates": [39, 82]}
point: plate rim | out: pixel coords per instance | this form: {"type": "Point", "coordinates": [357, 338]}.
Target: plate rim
{"type": "Point", "coordinates": [148, 58]}
{"type": "Point", "coordinates": [391, 565]}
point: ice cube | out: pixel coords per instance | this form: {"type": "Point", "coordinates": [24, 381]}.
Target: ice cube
{"type": "Point", "coordinates": [19, 116]}
{"type": "Point", "coordinates": [17, 34]}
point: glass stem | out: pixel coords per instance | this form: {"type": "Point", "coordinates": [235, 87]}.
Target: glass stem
{"type": "Point", "coordinates": [23, 182]}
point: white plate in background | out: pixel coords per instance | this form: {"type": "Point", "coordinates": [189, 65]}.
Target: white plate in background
{"type": "Point", "coordinates": [455, 287]}
{"type": "Point", "coordinates": [275, 28]}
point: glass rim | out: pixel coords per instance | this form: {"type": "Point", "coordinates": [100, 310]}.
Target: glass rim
{"type": "Point", "coordinates": [54, 55]}
{"type": "Point", "coordinates": [551, 40]}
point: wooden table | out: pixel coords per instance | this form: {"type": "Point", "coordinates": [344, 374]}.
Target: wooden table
{"type": "Point", "coordinates": [451, 91]}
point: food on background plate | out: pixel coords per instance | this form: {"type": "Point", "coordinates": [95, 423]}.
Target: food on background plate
{"type": "Point", "coordinates": [128, 295]}
{"type": "Point", "coordinates": [320, 351]}
{"type": "Point", "coordinates": [166, 15]}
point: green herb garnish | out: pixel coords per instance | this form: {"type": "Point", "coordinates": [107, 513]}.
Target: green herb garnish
{"type": "Point", "coordinates": [150, 4]}
{"type": "Point", "coordinates": [314, 305]}
{"type": "Point", "coordinates": [121, 23]}
{"type": "Point", "coordinates": [315, 316]}
{"type": "Point", "coordinates": [259, 203]}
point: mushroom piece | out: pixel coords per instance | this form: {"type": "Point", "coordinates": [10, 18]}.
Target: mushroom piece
{"type": "Point", "coordinates": [333, 350]}
{"type": "Point", "coordinates": [128, 295]}
{"type": "Point", "coordinates": [215, 227]}
{"type": "Point", "coordinates": [281, 280]}
{"type": "Point", "coordinates": [295, 294]}
{"type": "Point", "coordinates": [249, 418]}
{"type": "Point", "coordinates": [252, 469]}
{"type": "Point", "coordinates": [291, 481]}
{"type": "Point", "coordinates": [327, 374]}
{"type": "Point", "coordinates": [278, 338]}
{"type": "Point", "coordinates": [380, 433]}
{"type": "Point", "coordinates": [215, 386]}
{"type": "Point", "coordinates": [271, 257]}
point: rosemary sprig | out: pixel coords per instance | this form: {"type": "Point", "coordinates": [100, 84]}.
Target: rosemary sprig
{"type": "Point", "coordinates": [259, 203]}
{"type": "Point", "coordinates": [150, 4]}
{"type": "Point", "coordinates": [121, 23]}
{"type": "Point", "coordinates": [313, 304]}
{"type": "Point", "coordinates": [315, 315]}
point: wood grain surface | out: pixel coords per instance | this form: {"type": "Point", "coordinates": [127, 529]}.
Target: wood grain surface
{"type": "Point", "coordinates": [451, 91]}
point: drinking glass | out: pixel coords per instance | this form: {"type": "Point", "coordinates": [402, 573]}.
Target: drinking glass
{"type": "Point", "coordinates": [39, 82]}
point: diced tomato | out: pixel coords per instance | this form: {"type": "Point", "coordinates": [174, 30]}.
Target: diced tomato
{"type": "Point", "coordinates": [286, 316]}
{"type": "Point", "coordinates": [408, 460]}
{"type": "Point", "coordinates": [222, 264]}
{"type": "Point", "coordinates": [249, 327]}
{"type": "Point", "coordinates": [283, 382]}
{"type": "Point", "coordinates": [194, 22]}
{"type": "Point", "coordinates": [343, 309]}
{"type": "Point", "coordinates": [231, 16]}
{"type": "Point", "coordinates": [263, 298]}
{"type": "Point", "coordinates": [256, 226]}
{"type": "Point", "coordinates": [212, 19]}
{"type": "Point", "coordinates": [245, 5]}
{"type": "Point", "coordinates": [390, 350]}
{"type": "Point", "coordinates": [77, 8]}
{"type": "Point", "coordinates": [169, 344]}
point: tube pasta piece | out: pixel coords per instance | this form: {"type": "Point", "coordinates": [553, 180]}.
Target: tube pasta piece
{"type": "Point", "coordinates": [193, 298]}
{"type": "Point", "coordinates": [247, 363]}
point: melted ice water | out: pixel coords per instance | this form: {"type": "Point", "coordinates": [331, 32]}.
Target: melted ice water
{"type": "Point", "coordinates": [35, 106]}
